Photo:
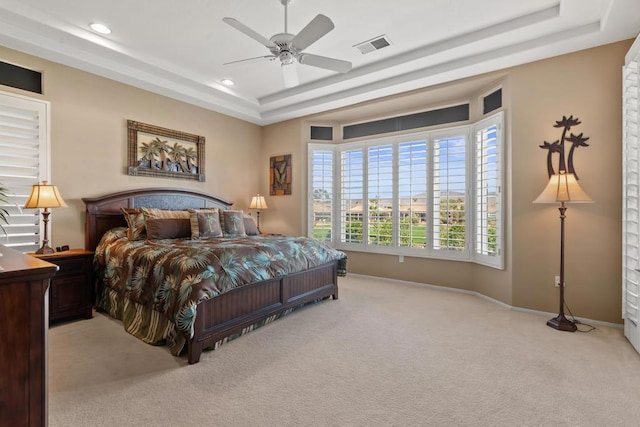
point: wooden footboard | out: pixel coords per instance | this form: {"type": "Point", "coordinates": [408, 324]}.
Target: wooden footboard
{"type": "Point", "coordinates": [233, 311]}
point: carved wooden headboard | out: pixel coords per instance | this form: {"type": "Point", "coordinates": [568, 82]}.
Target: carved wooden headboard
{"type": "Point", "coordinates": [104, 213]}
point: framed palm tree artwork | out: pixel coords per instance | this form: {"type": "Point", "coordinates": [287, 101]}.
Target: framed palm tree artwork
{"type": "Point", "coordinates": [162, 152]}
{"type": "Point", "coordinates": [280, 175]}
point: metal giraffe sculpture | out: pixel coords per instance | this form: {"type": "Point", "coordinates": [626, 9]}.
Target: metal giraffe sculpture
{"type": "Point", "coordinates": [558, 146]}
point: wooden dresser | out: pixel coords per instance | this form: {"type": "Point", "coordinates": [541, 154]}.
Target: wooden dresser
{"type": "Point", "coordinates": [24, 281]}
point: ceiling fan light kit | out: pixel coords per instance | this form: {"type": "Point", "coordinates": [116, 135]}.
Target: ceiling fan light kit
{"type": "Point", "coordinates": [288, 47]}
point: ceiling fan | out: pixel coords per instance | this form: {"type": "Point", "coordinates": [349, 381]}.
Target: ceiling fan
{"type": "Point", "coordinates": [288, 48]}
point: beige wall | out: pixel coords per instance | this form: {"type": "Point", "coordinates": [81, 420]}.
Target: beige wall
{"type": "Point", "coordinates": [285, 213]}
{"type": "Point", "coordinates": [89, 141]}
{"type": "Point", "coordinates": [585, 84]}
{"type": "Point", "coordinates": [88, 132]}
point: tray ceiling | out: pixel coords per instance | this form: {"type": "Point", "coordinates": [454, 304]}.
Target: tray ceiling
{"type": "Point", "coordinates": [168, 48]}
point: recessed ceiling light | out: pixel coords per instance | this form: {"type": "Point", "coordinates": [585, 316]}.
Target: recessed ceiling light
{"type": "Point", "coordinates": [100, 28]}
{"type": "Point", "coordinates": [228, 82]}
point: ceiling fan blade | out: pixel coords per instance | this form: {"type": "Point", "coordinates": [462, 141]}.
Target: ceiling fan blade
{"type": "Point", "coordinates": [318, 27]}
{"type": "Point", "coordinates": [255, 58]}
{"type": "Point", "coordinates": [324, 62]}
{"type": "Point", "coordinates": [290, 75]}
{"type": "Point", "coordinates": [249, 32]}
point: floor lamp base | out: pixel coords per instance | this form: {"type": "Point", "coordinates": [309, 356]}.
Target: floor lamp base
{"type": "Point", "coordinates": [561, 323]}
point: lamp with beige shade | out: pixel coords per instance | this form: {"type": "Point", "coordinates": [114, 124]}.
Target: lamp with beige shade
{"type": "Point", "coordinates": [258, 202]}
{"type": "Point", "coordinates": [563, 188]}
{"type": "Point", "coordinates": [45, 196]}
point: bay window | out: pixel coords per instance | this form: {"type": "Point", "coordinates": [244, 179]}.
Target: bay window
{"type": "Point", "coordinates": [428, 194]}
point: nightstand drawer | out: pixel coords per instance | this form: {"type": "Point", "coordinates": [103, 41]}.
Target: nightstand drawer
{"type": "Point", "coordinates": [71, 267]}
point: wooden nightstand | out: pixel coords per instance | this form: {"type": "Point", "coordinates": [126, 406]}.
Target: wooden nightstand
{"type": "Point", "coordinates": [71, 292]}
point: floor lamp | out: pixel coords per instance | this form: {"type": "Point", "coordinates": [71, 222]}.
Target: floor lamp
{"type": "Point", "coordinates": [562, 188]}
{"type": "Point", "coordinates": [44, 196]}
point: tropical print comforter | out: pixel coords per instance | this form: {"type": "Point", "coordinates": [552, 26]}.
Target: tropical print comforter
{"type": "Point", "coordinates": [171, 276]}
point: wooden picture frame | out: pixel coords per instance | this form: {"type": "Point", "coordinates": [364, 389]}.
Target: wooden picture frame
{"type": "Point", "coordinates": [162, 152]}
{"type": "Point", "coordinates": [280, 175]}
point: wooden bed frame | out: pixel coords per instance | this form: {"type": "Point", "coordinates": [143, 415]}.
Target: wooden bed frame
{"type": "Point", "coordinates": [228, 313]}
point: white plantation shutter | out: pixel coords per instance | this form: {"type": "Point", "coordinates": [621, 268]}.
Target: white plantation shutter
{"type": "Point", "coordinates": [321, 194]}
{"type": "Point", "coordinates": [449, 194]}
{"type": "Point", "coordinates": [380, 195]}
{"type": "Point", "coordinates": [413, 193]}
{"type": "Point", "coordinates": [23, 162]}
{"type": "Point", "coordinates": [352, 196]}
{"type": "Point", "coordinates": [631, 195]}
{"type": "Point", "coordinates": [488, 171]}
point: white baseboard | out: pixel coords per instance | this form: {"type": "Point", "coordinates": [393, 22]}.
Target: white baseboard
{"type": "Point", "coordinates": [493, 300]}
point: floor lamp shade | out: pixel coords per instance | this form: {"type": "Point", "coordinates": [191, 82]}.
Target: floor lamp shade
{"type": "Point", "coordinates": [562, 188]}
{"type": "Point", "coordinates": [44, 196]}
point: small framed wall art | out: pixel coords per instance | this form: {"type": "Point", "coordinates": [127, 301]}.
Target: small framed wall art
{"type": "Point", "coordinates": [280, 175]}
{"type": "Point", "coordinates": [157, 151]}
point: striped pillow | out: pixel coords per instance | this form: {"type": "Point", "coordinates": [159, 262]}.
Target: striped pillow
{"type": "Point", "coordinates": [152, 213]}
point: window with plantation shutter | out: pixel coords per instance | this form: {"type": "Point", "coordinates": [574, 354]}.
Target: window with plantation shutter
{"type": "Point", "coordinates": [23, 162]}
{"type": "Point", "coordinates": [352, 207]}
{"type": "Point", "coordinates": [449, 193]}
{"type": "Point", "coordinates": [488, 192]}
{"type": "Point", "coordinates": [321, 197]}
{"type": "Point", "coordinates": [631, 195]}
{"type": "Point", "coordinates": [380, 161]}
{"type": "Point", "coordinates": [418, 194]}
{"type": "Point", "coordinates": [413, 190]}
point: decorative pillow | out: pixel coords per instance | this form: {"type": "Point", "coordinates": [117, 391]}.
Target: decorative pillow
{"type": "Point", "coordinates": [205, 223]}
{"type": "Point", "coordinates": [152, 213]}
{"type": "Point", "coordinates": [168, 228]}
{"type": "Point", "coordinates": [250, 226]}
{"type": "Point", "coordinates": [135, 221]}
{"type": "Point", "coordinates": [232, 223]}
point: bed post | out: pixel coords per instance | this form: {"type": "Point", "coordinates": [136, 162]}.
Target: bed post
{"type": "Point", "coordinates": [194, 345]}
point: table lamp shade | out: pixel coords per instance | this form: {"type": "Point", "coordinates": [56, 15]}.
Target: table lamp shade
{"type": "Point", "coordinates": [563, 187]}
{"type": "Point", "coordinates": [258, 202]}
{"type": "Point", "coordinates": [44, 196]}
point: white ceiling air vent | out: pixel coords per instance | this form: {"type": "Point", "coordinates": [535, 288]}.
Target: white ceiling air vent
{"type": "Point", "coordinates": [375, 43]}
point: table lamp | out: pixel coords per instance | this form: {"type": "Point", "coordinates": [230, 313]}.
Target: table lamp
{"type": "Point", "coordinates": [45, 196]}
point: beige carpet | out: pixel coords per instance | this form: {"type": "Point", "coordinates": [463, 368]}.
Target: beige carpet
{"type": "Point", "coordinates": [384, 354]}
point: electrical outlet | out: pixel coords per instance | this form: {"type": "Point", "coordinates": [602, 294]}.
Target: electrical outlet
{"type": "Point", "coordinates": [401, 258]}
{"type": "Point", "coordinates": [557, 281]}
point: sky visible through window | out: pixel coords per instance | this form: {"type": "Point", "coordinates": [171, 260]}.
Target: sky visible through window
{"type": "Point", "coordinates": [449, 155]}
{"type": "Point", "coordinates": [449, 159]}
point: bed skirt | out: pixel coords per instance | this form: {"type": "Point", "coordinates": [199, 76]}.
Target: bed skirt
{"type": "Point", "coordinates": [153, 328]}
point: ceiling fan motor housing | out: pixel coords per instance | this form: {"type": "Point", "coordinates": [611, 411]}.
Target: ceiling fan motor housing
{"type": "Point", "coordinates": [283, 49]}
